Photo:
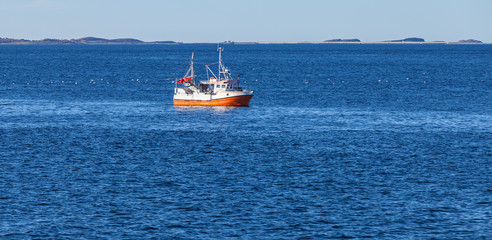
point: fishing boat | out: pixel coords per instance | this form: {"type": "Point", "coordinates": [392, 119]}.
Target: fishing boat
{"type": "Point", "coordinates": [217, 90]}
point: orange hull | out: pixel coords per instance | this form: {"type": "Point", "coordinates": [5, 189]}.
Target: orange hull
{"type": "Point", "coordinates": [230, 101]}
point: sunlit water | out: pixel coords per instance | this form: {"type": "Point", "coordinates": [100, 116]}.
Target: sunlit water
{"type": "Point", "coordinates": [340, 141]}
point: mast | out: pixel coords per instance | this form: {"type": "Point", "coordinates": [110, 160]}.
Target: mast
{"type": "Point", "coordinates": [222, 69]}
{"type": "Point", "coordinates": [192, 68]}
{"type": "Point", "coordinates": [220, 60]}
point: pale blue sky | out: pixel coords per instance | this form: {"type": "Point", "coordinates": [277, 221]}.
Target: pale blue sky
{"type": "Point", "coordinates": [247, 20]}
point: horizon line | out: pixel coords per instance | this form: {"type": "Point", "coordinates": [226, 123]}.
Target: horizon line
{"type": "Point", "coordinates": [127, 40]}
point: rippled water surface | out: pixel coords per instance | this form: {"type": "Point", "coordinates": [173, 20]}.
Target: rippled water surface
{"type": "Point", "coordinates": [340, 141]}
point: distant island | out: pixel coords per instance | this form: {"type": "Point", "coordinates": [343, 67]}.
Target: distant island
{"type": "Point", "coordinates": [469, 41]}
{"type": "Point", "coordinates": [96, 40]}
{"type": "Point", "coordinates": [337, 40]}
{"type": "Point", "coordinates": [412, 39]}
{"type": "Point", "coordinates": [86, 40]}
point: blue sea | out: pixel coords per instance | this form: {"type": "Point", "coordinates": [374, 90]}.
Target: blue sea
{"type": "Point", "coordinates": [382, 141]}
